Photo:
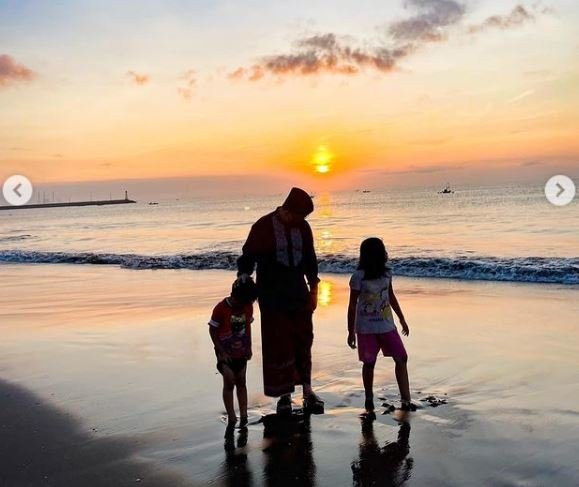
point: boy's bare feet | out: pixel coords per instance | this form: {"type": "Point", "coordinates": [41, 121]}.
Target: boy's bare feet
{"type": "Point", "coordinates": [231, 421]}
{"type": "Point", "coordinates": [369, 405]}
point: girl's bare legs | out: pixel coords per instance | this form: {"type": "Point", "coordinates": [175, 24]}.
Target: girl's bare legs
{"type": "Point", "coordinates": [402, 378]}
{"type": "Point", "coordinates": [368, 380]}
{"type": "Point", "coordinates": [241, 387]}
{"type": "Point", "coordinates": [228, 386]}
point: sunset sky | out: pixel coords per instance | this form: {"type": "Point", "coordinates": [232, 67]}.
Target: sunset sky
{"type": "Point", "coordinates": [330, 94]}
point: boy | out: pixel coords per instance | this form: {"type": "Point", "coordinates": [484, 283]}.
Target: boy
{"type": "Point", "coordinates": [230, 331]}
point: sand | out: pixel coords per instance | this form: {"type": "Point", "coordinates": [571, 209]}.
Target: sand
{"type": "Point", "coordinates": [107, 378]}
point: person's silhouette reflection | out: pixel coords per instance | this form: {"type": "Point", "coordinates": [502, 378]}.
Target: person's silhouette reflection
{"type": "Point", "coordinates": [382, 466]}
{"type": "Point", "coordinates": [288, 451]}
{"type": "Point", "coordinates": [235, 468]}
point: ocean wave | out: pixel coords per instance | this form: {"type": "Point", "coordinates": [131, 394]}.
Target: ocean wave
{"type": "Point", "coordinates": [15, 238]}
{"type": "Point", "coordinates": [557, 270]}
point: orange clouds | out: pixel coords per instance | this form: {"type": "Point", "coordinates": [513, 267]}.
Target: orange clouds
{"type": "Point", "coordinates": [137, 78]}
{"type": "Point", "coordinates": [11, 72]}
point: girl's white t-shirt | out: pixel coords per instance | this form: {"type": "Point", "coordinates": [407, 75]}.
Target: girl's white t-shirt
{"type": "Point", "coordinates": [373, 311]}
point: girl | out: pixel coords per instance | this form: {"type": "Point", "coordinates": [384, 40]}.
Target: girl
{"type": "Point", "coordinates": [370, 320]}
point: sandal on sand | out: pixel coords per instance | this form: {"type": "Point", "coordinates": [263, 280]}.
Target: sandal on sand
{"type": "Point", "coordinates": [284, 406]}
{"type": "Point", "coordinates": [313, 404]}
{"type": "Point", "coordinates": [408, 406]}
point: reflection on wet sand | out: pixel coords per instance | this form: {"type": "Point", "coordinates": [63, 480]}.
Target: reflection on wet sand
{"type": "Point", "coordinates": [324, 293]}
{"type": "Point", "coordinates": [289, 451]}
{"type": "Point", "coordinates": [236, 471]}
{"type": "Point", "coordinates": [382, 466]}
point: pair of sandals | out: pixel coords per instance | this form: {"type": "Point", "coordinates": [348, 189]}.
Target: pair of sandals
{"type": "Point", "coordinates": [312, 405]}
{"type": "Point", "coordinates": [405, 406]}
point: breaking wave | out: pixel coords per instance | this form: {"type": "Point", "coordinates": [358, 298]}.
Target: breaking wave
{"type": "Point", "coordinates": [557, 270]}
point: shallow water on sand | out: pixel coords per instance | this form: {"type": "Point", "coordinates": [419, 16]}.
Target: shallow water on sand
{"type": "Point", "coordinates": [126, 355]}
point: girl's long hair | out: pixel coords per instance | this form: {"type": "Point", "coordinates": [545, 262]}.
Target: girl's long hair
{"type": "Point", "coordinates": [373, 258]}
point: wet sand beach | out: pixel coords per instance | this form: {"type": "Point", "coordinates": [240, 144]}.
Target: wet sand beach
{"type": "Point", "coordinates": [107, 377]}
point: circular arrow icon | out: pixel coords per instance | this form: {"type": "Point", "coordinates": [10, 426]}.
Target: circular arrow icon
{"type": "Point", "coordinates": [560, 190]}
{"type": "Point", "coordinates": [17, 190]}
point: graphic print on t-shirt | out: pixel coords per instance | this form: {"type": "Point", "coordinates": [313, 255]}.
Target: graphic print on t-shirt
{"type": "Point", "coordinates": [233, 328]}
{"type": "Point", "coordinates": [373, 313]}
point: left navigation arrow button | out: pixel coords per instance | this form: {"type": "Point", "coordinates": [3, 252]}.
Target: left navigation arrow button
{"type": "Point", "coordinates": [17, 190]}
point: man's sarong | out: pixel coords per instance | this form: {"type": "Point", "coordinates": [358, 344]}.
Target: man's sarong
{"type": "Point", "coordinates": [287, 338]}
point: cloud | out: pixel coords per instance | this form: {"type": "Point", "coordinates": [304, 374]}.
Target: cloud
{"type": "Point", "coordinates": [325, 53]}
{"type": "Point", "coordinates": [189, 80]}
{"type": "Point", "coordinates": [414, 169]}
{"type": "Point", "coordinates": [137, 78]}
{"type": "Point", "coordinates": [517, 17]}
{"type": "Point", "coordinates": [429, 22]}
{"type": "Point", "coordinates": [431, 141]}
{"type": "Point", "coordinates": [521, 96]}
{"type": "Point", "coordinates": [531, 163]}
{"type": "Point", "coordinates": [12, 72]}
{"type": "Point", "coordinates": [426, 169]}
{"type": "Point", "coordinates": [186, 93]}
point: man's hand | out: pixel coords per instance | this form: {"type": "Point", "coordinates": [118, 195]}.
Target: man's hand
{"type": "Point", "coordinates": [405, 329]}
{"type": "Point", "coordinates": [314, 297]}
{"type": "Point", "coordinates": [352, 340]}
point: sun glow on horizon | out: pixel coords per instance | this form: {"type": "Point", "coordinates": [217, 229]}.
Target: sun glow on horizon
{"type": "Point", "coordinates": [322, 160]}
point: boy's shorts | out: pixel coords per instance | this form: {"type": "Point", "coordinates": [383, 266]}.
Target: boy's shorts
{"type": "Point", "coordinates": [236, 365]}
{"type": "Point", "coordinates": [390, 343]}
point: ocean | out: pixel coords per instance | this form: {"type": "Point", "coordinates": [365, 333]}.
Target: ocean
{"type": "Point", "coordinates": [507, 233]}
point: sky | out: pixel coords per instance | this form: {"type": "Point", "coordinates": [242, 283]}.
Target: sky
{"type": "Point", "coordinates": [330, 95]}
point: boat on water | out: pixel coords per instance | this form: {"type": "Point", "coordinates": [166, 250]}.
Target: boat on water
{"type": "Point", "coordinates": [447, 190]}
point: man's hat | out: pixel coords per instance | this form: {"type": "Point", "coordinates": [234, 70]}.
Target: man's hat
{"type": "Point", "coordinates": [298, 201]}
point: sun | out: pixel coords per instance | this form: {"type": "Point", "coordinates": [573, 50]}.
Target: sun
{"type": "Point", "coordinates": [322, 160]}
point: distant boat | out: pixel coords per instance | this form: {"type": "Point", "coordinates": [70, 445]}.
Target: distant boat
{"type": "Point", "coordinates": [153, 203]}
{"type": "Point", "coordinates": [366, 191]}
{"type": "Point", "coordinates": [446, 190]}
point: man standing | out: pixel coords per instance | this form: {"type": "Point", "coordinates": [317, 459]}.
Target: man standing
{"type": "Point", "coordinates": [282, 245]}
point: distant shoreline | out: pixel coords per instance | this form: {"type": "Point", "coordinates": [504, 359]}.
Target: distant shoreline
{"type": "Point", "coordinates": [65, 205]}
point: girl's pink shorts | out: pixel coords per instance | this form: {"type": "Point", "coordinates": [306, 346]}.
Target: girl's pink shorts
{"type": "Point", "coordinates": [390, 343]}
